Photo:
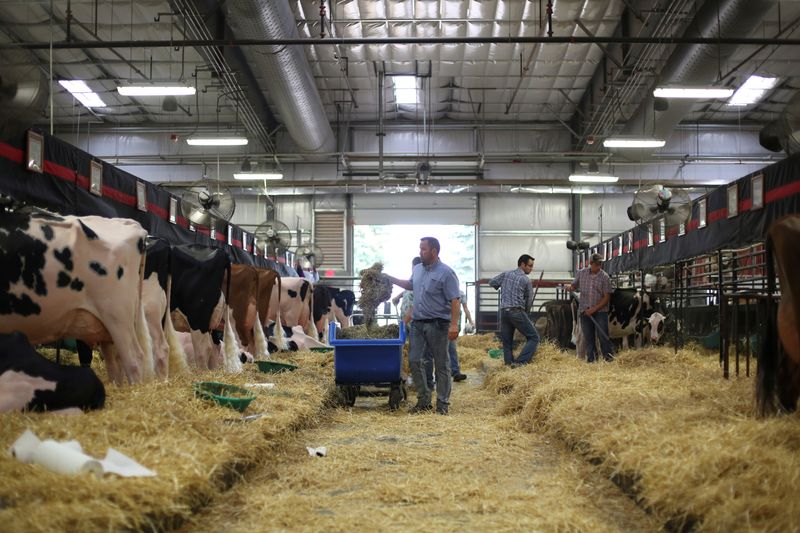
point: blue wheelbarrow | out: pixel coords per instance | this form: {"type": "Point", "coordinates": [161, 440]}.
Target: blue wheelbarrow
{"type": "Point", "coordinates": [373, 362]}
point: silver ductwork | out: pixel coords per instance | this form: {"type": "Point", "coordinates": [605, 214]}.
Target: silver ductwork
{"type": "Point", "coordinates": [783, 133]}
{"type": "Point", "coordinates": [697, 64]}
{"type": "Point", "coordinates": [285, 70]}
{"type": "Point", "coordinates": [23, 93]}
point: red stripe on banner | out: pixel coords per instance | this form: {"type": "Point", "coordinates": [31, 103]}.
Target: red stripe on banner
{"type": "Point", "coordinates": [15, 155]}
{"type": "Point", "coordinates": [745, 205]}
{"type": "Point", "coordinates": [119, 196]}
{"type": "Point", "coordinates": [221, 237]}
{"type": "Point", "coordinates": [82, 181]}
{"type": "Point", "coordinates": [672, 232]}
{"type": "Point", "coordinates": [641, 243]}
{"type": "Point", "coordinates": [59, 171]}
{"type": "Point", "coordinates": [182, 222]}
{"type": "Point", "coordinates": [203, 230]}
{"type": "Point", "coordinates": [779, 193]}
{"type": "Point", "coordinates": [237, 242]}
{"type": "Point", "coordinates": [693, 225]}
{"type": "Point", "coordinates": [718, 214]}
{"type": "Point", "coordinates": [158, 211]}
{"type": "Point", "coordinates": [625, 249]}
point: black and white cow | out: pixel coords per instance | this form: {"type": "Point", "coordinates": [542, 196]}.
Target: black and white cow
{"type": "Point", "coordinates": [77, 277]}
{"type": "Point", "coordinates": [30, 381]}
{"type": "Point", "coordinates": [332, 304]}
{"type": "Point", "coordinates": [197, 303]}
{"type": "Point", "coordinates": [623, 318]}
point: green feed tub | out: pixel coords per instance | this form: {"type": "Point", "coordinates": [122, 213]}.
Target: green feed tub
{"type": "Point", "coordinates": [273, 367]}
{"type": "Point", "coordinates": [496, 353]}
{"type": "Point", "coordinates": [226, 395]}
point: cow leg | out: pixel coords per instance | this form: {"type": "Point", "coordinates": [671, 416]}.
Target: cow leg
{"type": "Point", "coordinates": [113, 365]}
{"type": "Point", "coordinates": [230, 359]}
{"type": "Point", "coordinates": [154, 308]}
{"type": "Point", "coordinates": [261, 348]}
{"type": "Point", "coordinates": [177, 358]}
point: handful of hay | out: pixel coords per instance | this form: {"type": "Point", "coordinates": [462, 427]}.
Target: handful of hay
{"type": "Point", "coordinates": [375, 289]}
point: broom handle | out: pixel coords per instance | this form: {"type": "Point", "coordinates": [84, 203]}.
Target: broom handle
{"type": "Point", "coordinates": [536, 290]}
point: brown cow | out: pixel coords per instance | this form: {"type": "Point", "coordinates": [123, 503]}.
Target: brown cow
{"type": "Point", "coordinates": [778, 381]}
{"type": "Point", "coordinates": [266, 282]}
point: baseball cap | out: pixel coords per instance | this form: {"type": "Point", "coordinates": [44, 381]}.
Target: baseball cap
{"type": "Point", "coordinates": [596, 258]}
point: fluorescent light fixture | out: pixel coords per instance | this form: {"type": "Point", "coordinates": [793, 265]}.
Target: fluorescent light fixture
{"type": "Point", "coordinates": [257, 175]}
{"type": "Point", "coordinates": [692, 92]}
{"type": "Point", "coordinates": [630, 142]}
{"type": "Point", "coordinates": [82, 93]}
{"type": "Point", "coordinates": [156, 90]}
{"type": "Point", "coordinates": [405, 89]}
{"type": "Point", "coordinates": [752, 90]}
{"type": "Point", "coordinates": [216, 141]}
{"type": "Point", "coordinates": [592, 178]}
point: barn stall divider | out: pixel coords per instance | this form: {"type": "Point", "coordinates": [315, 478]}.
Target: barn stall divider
{"type": "Point", "coordinates": [714, 262]}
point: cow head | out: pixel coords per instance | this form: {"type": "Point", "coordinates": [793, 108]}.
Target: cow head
{"type": "Point", "coordinates": [656, 322]}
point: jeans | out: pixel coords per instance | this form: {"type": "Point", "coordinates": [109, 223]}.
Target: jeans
{"type": "Point", "coordinates": [589, 333]}
{"type": "Point", "coordinates": [516, 319]}
{"type": "Point", "coordinates": [455, 369]}
{"type": "Point", "coordinates": [429, 342]}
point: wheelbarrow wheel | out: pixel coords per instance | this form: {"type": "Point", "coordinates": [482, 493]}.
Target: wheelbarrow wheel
{"type": "Point", "coordinates": [347, 395]}
{"type": "Point", "coordinates": [397, 395]}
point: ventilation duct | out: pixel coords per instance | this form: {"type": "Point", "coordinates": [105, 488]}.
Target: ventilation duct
{"type": "Point", "coordinates": [783, 133]}
{"type": "Point", "coordinates": [23, 93]}
{"type": "Point", "coordinates": [285, 70]}
{"type": "Point", "coordinates": [697, 64]}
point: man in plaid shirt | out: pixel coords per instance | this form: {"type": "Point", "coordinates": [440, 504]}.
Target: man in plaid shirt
{"type": "Point", "coordinates": [515, 300]}
{"type": "Point", "coordinates": [595, 288]}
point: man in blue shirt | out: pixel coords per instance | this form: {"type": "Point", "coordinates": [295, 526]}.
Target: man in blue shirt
{"type": "Point", "coordinates": [515, 300]}
{"type": "Point", "coordinates": [434, 321]}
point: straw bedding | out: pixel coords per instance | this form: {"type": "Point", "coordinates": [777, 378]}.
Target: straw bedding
{"type": "Point", "coordinates": [196, 447]}
{"type": "Point", "coordinates": [670, 430]}
{"type": "Point", "coordinates": [391, 471]}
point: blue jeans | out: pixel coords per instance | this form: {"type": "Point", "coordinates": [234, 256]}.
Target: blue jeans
{"type": "Point", "coordinates": [590, 334]}
{"type": "Point", "coordinates": [517, 319]}
{"type": "Point", "coordinates": [429, 343]}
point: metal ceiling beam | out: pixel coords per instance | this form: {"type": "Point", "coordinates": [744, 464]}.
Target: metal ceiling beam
{"type": "Point", "coordinates": [332, 41]}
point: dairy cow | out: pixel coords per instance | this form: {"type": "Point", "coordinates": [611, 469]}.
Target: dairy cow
{"type": "Point", "coordinates": [332, 304]}
{"type": "Point", "coordinates": [197, 303]}
{"type": "Point", "coordinates": [32, 382]}
{"type": "Point", "coordinates": [243, 302]}
{"type": "Point", "coordinates": [291, 306]}
{"type": "Point", "coordinates": [623, 318]}
{"type": "Point", "coordinates": [77, 277]}
{"type": "Point", "coordinates": [778, 379]}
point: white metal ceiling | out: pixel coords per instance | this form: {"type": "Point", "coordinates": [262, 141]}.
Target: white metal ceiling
{"type": "Point", "coordinates": [558, 93]}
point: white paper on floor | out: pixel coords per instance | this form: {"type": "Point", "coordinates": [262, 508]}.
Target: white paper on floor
{"type": "Point", "coordinates": [320, 451]}
{"type": "Point", "coordinates": [68, 458]}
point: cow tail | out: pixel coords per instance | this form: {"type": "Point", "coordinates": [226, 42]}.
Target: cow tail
{"type": "Point", "coordinates": [142, 333]}
{"type": "Point", "coordinates": [230, 361]}
{"type": "Point", "coordinates": [262, 350]}
{"type": "Point", "coordinates": [177, 355]}
{"type": "Point", "coordinates": [311, 326]}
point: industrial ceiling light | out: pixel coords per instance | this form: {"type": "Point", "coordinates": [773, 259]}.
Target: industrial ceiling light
{"type": "Point", "coordinates": [593, 178]}
{"type": "Point", "coordinates": [217, 141]}
{"type": "Point", "coordinates": [752, 91]}
{"type": "Point", "coordinates": [692, 92]}
{"type": "Point", "coordinates": [161, 89]}
{"type": "Point", "coordinates": [258, 175]}
{"type": "Point", "coordinates": [82, 93]}
{"type": "Point", "coordinates": [633, 142]}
